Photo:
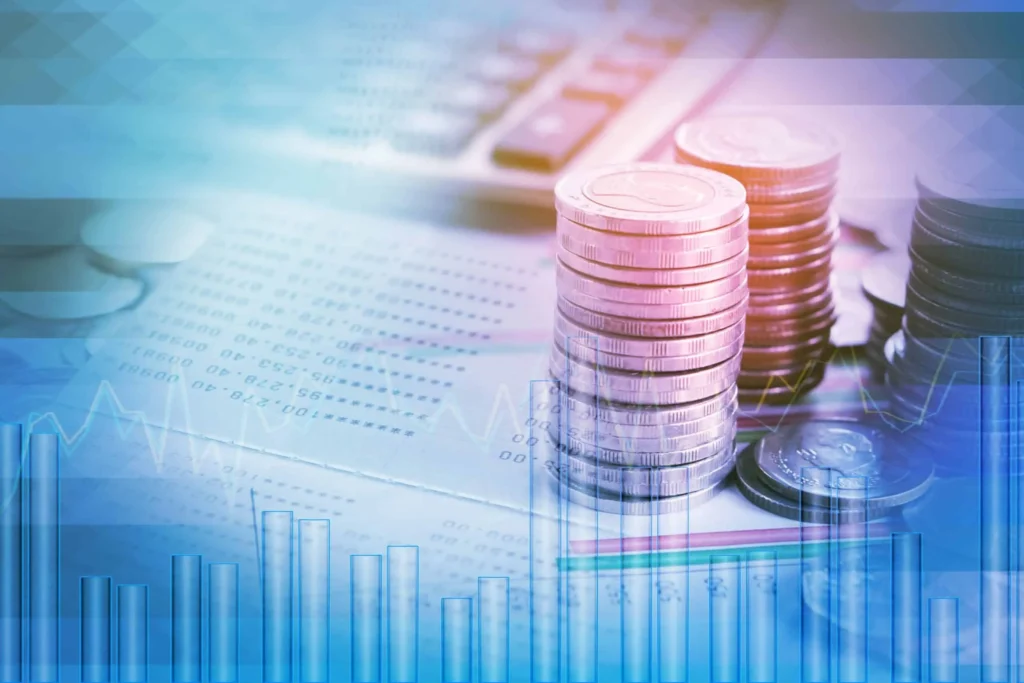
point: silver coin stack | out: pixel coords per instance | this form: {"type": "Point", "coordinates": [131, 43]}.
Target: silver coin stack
{"type": "Point", "coordinates": [652, 296]}
{"type": "Point", "coordinates": [790, 171]}
{"type": "Point", "coordinates": [884, 282]}
{"type": "Point", "coordinates": [966, 281]}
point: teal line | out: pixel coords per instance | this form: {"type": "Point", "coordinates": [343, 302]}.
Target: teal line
{"type": "Point", "coordinates": [687, 558]}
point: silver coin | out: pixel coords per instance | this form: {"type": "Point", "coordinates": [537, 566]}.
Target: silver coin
{"type": "Point", "coordinates": [134, 235]}
{"type": "Point", "coordinates": [972, 238]}
{"type": "Point", "coordinates": [754, 489]}
{"type": "Point", "coordinates": [965, 258]}
{"type": "Point", "coordinates": [642, 398]}
{"type": "Point", "coordinates": [661, 347]}
{"type": "Point", "coordinates": [993, 289]}
{"type": "Point", "coordinates": [972, 184]}
{"type": "Point", "coordinates": [854, 464]}
{"type": "Point", "coordinates": [568, 414]}
{"type": "Point", "coordinates": [760, 149]}
{"type": "Point", "coordinates": [592, 353]}
{"type": "Point", "coordinates": [633, 458]}
{"type": "Point", "coordinates": [657, 244]}
{"type": "Point", "coordinates": [631, 327]}
{"type": "Point", "coordinates": [650, 199]}
{"type": "Point", "coordinates": [965, 223]}
{"type": "Point", "coordinates": [64, 285]}
{"type": "Point", "coordinates": [612, 438]}
{"type": "Point", "coordinates": [792, 232]}
{"type": "Point", "coordinates": [586, 407]}
{"type": "Point", "coordinates": [651, 277]}
{"type": "Point", "coordinates": [640, 382]}
{"type": "Point", "coordinates": [693, 258]}
{"type": "Point", "coordinates": [922, 325]}
{"type": "Point", "coordinates": [643, 482]}
{"type": "Point", "coordinates": [568, 279]}
{"type": "Point", "coordinates": [600, 500]}
{"type": "Point", "coordinates": [960, 355]}
{"type": "Point", "coordinates": [974, 305]}
{"type": "Point", "coordinates": [976, 323]}
{"type": "Point", "coordinates": [695, 309]}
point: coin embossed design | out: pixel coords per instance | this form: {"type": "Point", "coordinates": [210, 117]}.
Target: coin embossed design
{"type": "Point", "coordinates": [853, 463]}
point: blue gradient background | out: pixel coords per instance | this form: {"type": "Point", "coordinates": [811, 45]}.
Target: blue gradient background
{"type": "Point", "coordinates": [107, 99]}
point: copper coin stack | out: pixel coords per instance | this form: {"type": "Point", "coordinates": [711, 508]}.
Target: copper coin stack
{"type": "Point", "coordinates": [790, 170]}
{"type": "Point", "coordinates": [652, 296]}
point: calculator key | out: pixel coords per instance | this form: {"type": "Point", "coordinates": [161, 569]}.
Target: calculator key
{"type": "Point", "coordinates": [424, 131]}
{"type": "Point", "coordinates": [615, 88]}
{"type": "Point", "coordinates": [514, 72]}
{"type": "Point", "coordinates": [634, 58]}
{"type": "Point", "coordinates": [547, 139]}
{"type": "Point", "coordinates": [668, 36]}
{"type": "Point", "coordinates": [482, 100]}
{"type": "Point", "coordinates": [542, 45]}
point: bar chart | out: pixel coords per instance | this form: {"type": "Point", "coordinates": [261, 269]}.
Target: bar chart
{"type": "Point", "coordinates": [732, 601]}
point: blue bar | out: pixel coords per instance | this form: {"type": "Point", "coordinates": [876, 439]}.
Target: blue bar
{"type": "Point", "coordinates": [724, 599]}
{"type": "Point", "coordinates": [852, 570]}
{"type": "Point", "coordinates": [456, 640]}
{"type": "Point", "coordinates": [277, 597]}
{"type": "Point", "coordinates": [43, 558]}
{"type": "Point", "coordinates": [10, 553]}
{"type": "Point", "coordinates": [815, 631]}
{"type": "Point", "coordinates": [635, 604]}
{"type": "Point", "coordinates": [403, 613]}
{"type": "Point", "coordinates": [493, 606]}
{"type": "Point", "coordinates": [762, 617]}
{"type": "Point", "coordinates": [314, 599]}
{"type": "Point", "coordinates": [943, 641]}
{"type": "Point", "coordinates": [367, 617]}
{"type": "Point", "coordinates": [995, 509]}
{"type": "Point", "coordinates": [223, 606]}
{"type": "Point", "coordinates": [545, 513]}
{"type": "Point", "coordinates": [186, 619]}
{"type": "Point", "coordinates": [96, 651]}
{"type": "Point", "coordinates": [132, 633]}
{"type": "Point", "coordinates": [906, 608]}
{"type": "Point", "coordinates": [673, 610]}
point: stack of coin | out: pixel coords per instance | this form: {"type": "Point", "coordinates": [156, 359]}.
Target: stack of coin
{"type": "Point", "coordinates": [966, 281]}
{"type": "Point", "coordinates": [790, 170]}
{"type": "Point", "coordinates": [831, 471]}
{"type": "Point", "coordinates": [884, 282]}
{"type": "Point", "coordinates": [652, 295]}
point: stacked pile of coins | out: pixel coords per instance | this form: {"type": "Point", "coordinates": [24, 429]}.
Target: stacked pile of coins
{"type": "Point", "coordinates": [790, 170]}
{"type": "Point", "coordinates": [966, 281]}
{"type": "Point", "coordinates": [831, 471]}
{"type": "Point", "coordinates": [652, 295]}
{"type": "Point", "coordinates": [884, 282]}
